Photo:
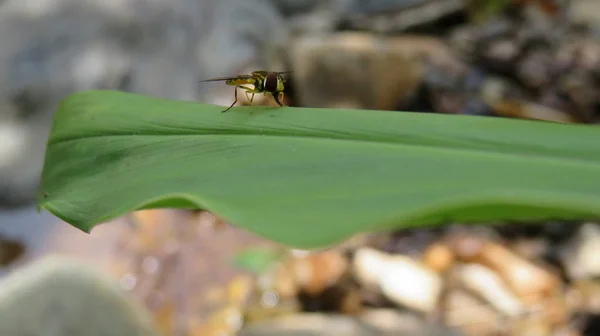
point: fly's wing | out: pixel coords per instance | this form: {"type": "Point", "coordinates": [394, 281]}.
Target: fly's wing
{"type": "Point", "coordinates": [217, 79]}
{"type": "Point", "coordinates": [262, 73]}
{"type": "Point", "coordinates": [279, 73]}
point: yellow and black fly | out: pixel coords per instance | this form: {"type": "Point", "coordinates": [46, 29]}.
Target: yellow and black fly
{"type": "Point", "coordinates": [268, 83]}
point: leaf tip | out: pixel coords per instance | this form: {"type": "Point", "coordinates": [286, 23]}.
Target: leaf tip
{"type": "Point", "coordinates": [41, 200]}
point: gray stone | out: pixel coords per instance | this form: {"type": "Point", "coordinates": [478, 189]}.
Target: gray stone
{"type": "Point", "coordinates": [59, 296]}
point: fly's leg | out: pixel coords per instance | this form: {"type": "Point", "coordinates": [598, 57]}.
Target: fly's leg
{"type": "Point", "coordinates": [253, 91]}
{"type": "Point", "coordinates": [249, 90]}
{"type": "Point", "coordinates": [279, 98]}
{"type": "Point", "coordinates": [251, 97]}
{"type": "Point", "coordinates": [270, 97]}
{"type": "Point", "coordinates": [234, 101]}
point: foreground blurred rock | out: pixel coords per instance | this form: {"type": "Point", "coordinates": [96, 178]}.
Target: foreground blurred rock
{"type": "Point", "coordinates": [57, 297]}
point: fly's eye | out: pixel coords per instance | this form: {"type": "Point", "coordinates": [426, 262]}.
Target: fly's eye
{"type": "Point", "coordinates": [271, 82]}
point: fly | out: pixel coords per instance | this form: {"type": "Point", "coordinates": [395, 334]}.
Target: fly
{"type": "Point", "coordinates": [268, 83]}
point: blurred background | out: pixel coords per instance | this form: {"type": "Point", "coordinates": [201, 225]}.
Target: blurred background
{"type": "Point", "coordinates": [196, 275]}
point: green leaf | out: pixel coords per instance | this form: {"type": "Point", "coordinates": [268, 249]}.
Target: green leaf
{"type": "Point", "coordinates": [310, 177]}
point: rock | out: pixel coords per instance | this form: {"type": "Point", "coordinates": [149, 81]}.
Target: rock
{"type": "Point", "coordinates": [297, 7]}
{"type": "Point", "coordinates": [471, 316]}
{"type": "Point", "coordinates": [536, 67]}
{"type": "Point", "coordinates": [318, 271]}
{"type": "Point", "coordinates": [532, 326]}
{"type": "Point", "coordinates": [568, 331]}
{"type": "Point", "coordinates": [477, 107]}
{"type": "Point", "coordinates": [580, 257]}
{"type": "Point", "coordinates": [375, 322]}
{"type": "Point", "coordinates": [494, 89]}
{"type": "Point", "coordinates": [358, 70]}
{"type": "Point", "coordinates": [368, 266]}
{"type": "Point", "coordinates": [578, 88]}
{"type": "Point", "coordinates": [60, 297]}
{"type": "Point", "coordinates": [410, 284]}
{"type": "Point", "coordinates": [578, 53]}
{"type": "Point", "coordinates": [531, 248]}
{"type": "Point", "coordinates": [584, 296]}
{"type": "Point", "coordinates": [506, 99]}
{"type": "Point", "coordinates": [412, 242]}
{"type": "Point", "coordinates": [555, 310]}
{"type": "Point", "coordinates": [438, 257]}
{"type": "Point", "coordinates": [270, 306]}
{"type": "Point", "coordinates": [311, 16]}
{"type": "Point", "coordinates": [500, 54]}
{"type": "Point", "coordinates": [402, 280]}
{"type": "Point", "coordinates": [585, 12]}
{"type": "Point", "coordinates": [394, 16]}
{"type": "Point", "coordinates": [312, 273]}
{"type": "Point", "coordinates": [394, 322]}
{"type": "Point", "coordinates": [473, 39]}
{"type": "Point", "coordinates": [373, 7]}
{"type": "Point", "coordinates": [488, 285]}
{"type": "Point", "coordinates": [529, 281]}
{"type": "Point", "coordinates": [513, 108]}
